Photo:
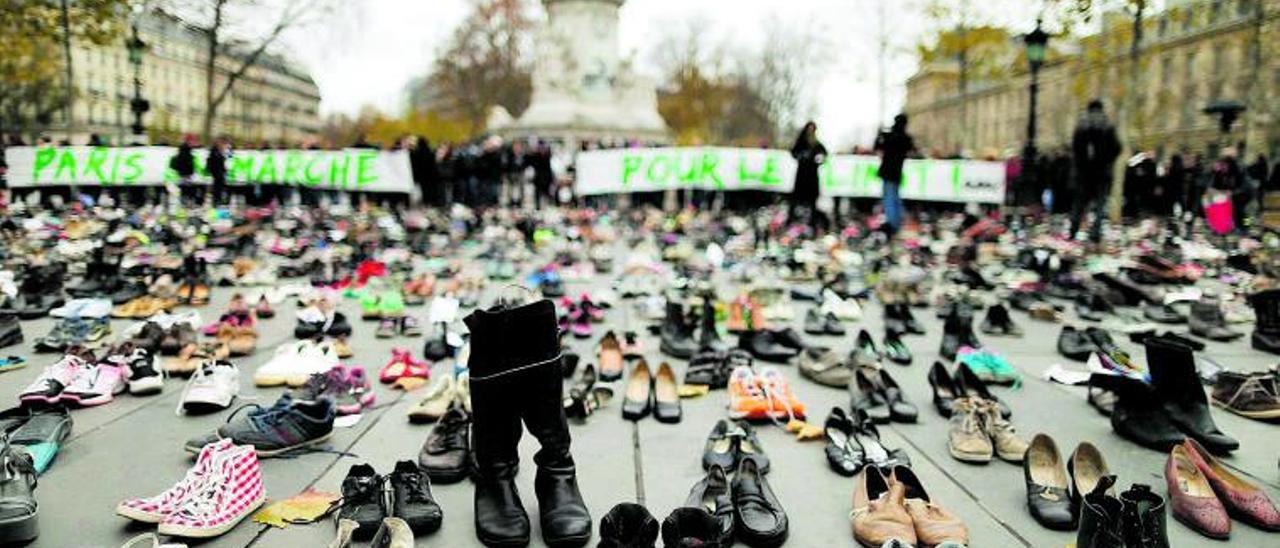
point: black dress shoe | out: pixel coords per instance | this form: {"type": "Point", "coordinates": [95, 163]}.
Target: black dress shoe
{"type": "Point", "coordinates": [637, 400]}
{"type": "Point", "coordinates": [865, 352]}
{"type": "Point", "coordinates": [1086, 468]}
{"type": "Point", "coordinates": [712, 495]}
{"type": "Point", "coordinates": [721, 447]}
{"type": "Point", "coordinates": [411, 498]}
{"type": "Point", "coordinates": [1048, 498]}
{"type": "Point", "coordinates": [842, 455]}
{"type": "Point", "coordinates": [945, 391]}
{"type": "Point", "coordinates": [764, 346]}
{"type": "Point", "coordinates": [362, 500]}
{"type": "Point", "coordinates": [1163, 313]}
{"type": "Point", "coordinates": [832, 325]}
{"type": "Point", "coordinates": [692, 527]}
{"type": "Point", "coordinates": [895, 350]}
{"type": "Point", "coordinates": [864, 395]}
{"type": "Point", "coordinates": [628, 525]}
{"type": "Point", "coordinates": [748, 446]}
{"type": "Point", "coordinates": [446, 455]}
{"type": "Point", "coordinates": [900, 410]}
{"type": "Point", "coordinates": [759, 519]}
{"type": "Point", "coordinates": [1074, 344]}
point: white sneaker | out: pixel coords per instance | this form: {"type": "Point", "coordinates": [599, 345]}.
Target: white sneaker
{"type": "Point", "coordinates": [295, 362]}
{"type": "Point", "coordinates": [844, 309]}
{"type": "Point", "coordinates": [213, 386]}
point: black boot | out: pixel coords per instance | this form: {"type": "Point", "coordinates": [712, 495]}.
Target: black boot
{"type": "Point", "coordinates": [516, 374]}
{"type": "Point", "coordinates": [1173, 375]}
{"type": "Point", "coordinates": [677, 334]}
{"type": "Point", "coordinates": [1143, 518]}
{"type": "Point", "coordinates": [1101, 518]}
{"type": "Point", "coordinates": [1206, 320]}
{"type": "Point", "coordinates": [1137, 414]}
{"type": "Point", "coordinates": [708, 338]}
{"type": "Point", "coordinates": [1266, 331]}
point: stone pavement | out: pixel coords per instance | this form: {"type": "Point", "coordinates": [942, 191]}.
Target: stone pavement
{"type": "Point", "coordinates": [133, 447]}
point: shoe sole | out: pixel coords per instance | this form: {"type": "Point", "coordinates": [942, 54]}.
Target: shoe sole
{"type": "Point", "coordinates": [1260, 415]}
{"type": "Point", "coordinates": [568, 542]}
{"type": "Point", "coordinates": [309, 443]}
{"type": "Point", "coordinates": [129, 512]}
{"type": "Point", "coordinates": [19, 530]}
{"type": "Point", "coordinates": [969, 457]}
{"type": "Point", "coordinates": [1197, 528]}
{"type": "Point", "coordinates": [445, 476]}
{"type": "Point", "coordinates": [503, 543]}
{"type": "Point", "coordinates": [209, 532]}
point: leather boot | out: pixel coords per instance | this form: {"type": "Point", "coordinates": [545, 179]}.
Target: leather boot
{"type": "Point", "coordinates": [1206, 320]}
{"type": "Point", "coordinates": [1266, 331]}
{"type": "Point", "coordinates": [522, 362]}
{"type": "Point", "coordinates": [708, 338]}
{"type": "Point", "coordinates": [677, 334]}
{"type": "Point", "coordinates": [1173, 375]}
{"type": "Point", "coordinates": [1101, 521]}
{"type": "Point", "coordinates": [1143, 518]}
{"type": "Point", "coordinates": [1137, 414]}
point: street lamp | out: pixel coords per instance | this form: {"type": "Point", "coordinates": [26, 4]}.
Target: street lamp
{"type": "Point", "coordinates": [137, 105]}
{"type": "Point", "coordinates": [1037, 42]}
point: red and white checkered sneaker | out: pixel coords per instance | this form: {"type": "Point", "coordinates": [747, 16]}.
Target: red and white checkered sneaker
{"type": "Point", "coordinates": [232, 491]}
{"type": "Point", "coordinates": [155, 509]}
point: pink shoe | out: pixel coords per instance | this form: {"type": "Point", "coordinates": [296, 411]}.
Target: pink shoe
{"type": "Point", "coordinates": [580, 324]}
{"type": "Point", "coordinates": [231, 492]}
{"type": "Point", "coordinates": [155, 509]}
{"type": "Point", "coordinates": [360, 391]}
{"type": "Point", "coordinates": [401, 365]}
{"type": "Point", "coordinates": [49, 386]}
{"type": "Point", "coordinates": [96, 384]}
{"type": "Point", "coordinates": [593, 310]}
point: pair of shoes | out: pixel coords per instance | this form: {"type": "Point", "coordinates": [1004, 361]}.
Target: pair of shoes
{"type": "Point", "coordinates": [294, 363]}
{"type": "Point", "coordinates": [221, 489]}
{"type": "Point", "coordinates": [403, 365]}
{"type": "Point", "coordinates": [365, 499]}
{"type": "Point", "coordinates": [286, 426]}
{"type": "Point", "coordinates": [1255, 395]}
{"type": "Point", "coordinates": [854, 442]}
{"type": "Point", "coordinates": [646, 392]}
{"type": "Point", "coordinates": [818, 323]}
{"type": "Point", "coordinates": [765, 395]}
{"type": "Point", "coordinates": [731, 442]}
{"type": "Point", "coordinates": [825, 366]}
{"type": "Point", "coordinates": [630, 525]}
{"type": "Point", "coordinates": [77, 379]}
{"type": "Point", "coordinates": [1053, 499]}
{"type": "Point", "coordinates": [441, 396]}
{"type": "Point", "coordinates": [143, 378]}
{"type": "Point", "coordinates": [978, 432]}
{"type": "Point", "coordinates": [712, 369]}
{"type": "Point", "coordinates": [39, 432]}
{"type": "Point", "coordinates": [348, 387]}
{"type": "Point", "coordinates": [586, 396]}
{"type": "Point", "coordinates": [314, 322]}
{"type": "Point", "coordinates": [446, 453]}
{"type": "Point", "coordinates": [74, 332]}
{"type": "Point", "coordinates": [895, 506]}
{"type": "Point", "coordinates": [212, 387]}
{"type": "Point", "coordinates": [998, 322]}
{"type": "Point", "coordinates": [898, 317]}
{"type": "Point", "coordinates": [1205, 494]}
{"type": "Point", "coordinates": [1107, 521]}
{"type": "Point", "coordinates": [961, 384]}
{"type": "Point", "coordinates": [391, 533]}
{"type": "Point", "coordinates": [873, 392]}
{"type": "Point", "coordinates": [405, 326]}
{"type": "Point", "coordinates": [746, 508]}
{"type": "Point", "coordinates": [1076, 344]}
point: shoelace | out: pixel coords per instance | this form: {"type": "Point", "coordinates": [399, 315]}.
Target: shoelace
{"type": "Point", "coordinates": [206, 500]}
{"type": "Point", "coordinates": [1250, 385]}
{"type": "Point", "coordinates": [413, 482]}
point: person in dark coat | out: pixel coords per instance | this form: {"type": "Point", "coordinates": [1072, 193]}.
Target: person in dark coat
{"type": "Point", "coordinates": [894, 146]}
{"type": "Point", "coordinates": [1095, 147]}
{"type": "Point", "coordinates": [422, 161]}
{"type": "Point", "coordinates": [216, 165]}
{"type": "Point", "coordinates": [1175, 183]}
{"type": "Point", "coordinates": [543, 176]}
{"type": "Point", "coordinates": [809, 154]}
{"type": "Point", "coordinates": [184, 164]}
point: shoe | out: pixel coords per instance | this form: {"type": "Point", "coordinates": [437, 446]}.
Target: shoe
{"type": "Point", "coordinates": [393, 533]}
{"type": "Point", "coordinates": [933, 524]}
{"type": "Point", "coordinates": [1194, 502]}
{"type": "Point", "coordinates": [1086, 467]}
{"type": "Point", "coordinates": [446, 454]}
{"type": "Point", "coordinates": [967, 440]}
{"type": "Point", "coordinates": [143, 378]}
{"type": "Point", "coordinates": [610, 358]}
{"type": "Point", "coordinates": [10, 331]}
{"type": "Point", "coordinates": [1137, 413]}
{"type": "Point", "coordinates": [1207, 321]}
{"type": "Point", "coordinates": [865, 353]}
{"type": "Point", "coordinates": [1048, 495]}
{"type": "Point", "coordinates": [998, 322]}
{"type": "Point", "coordinates": [1254, 396]}
{"type": "Point", "coordinates": [783, 404]}
{"type": "Point", "coordinates": [712, 495]}
{"type": "Point", "coordinates": [232, 491]}
{"type": "Point", "coordinates": [814, 322]}
{"type": "Point", "coordinates": [628, 525]}
{"type": "Point", "coordinates": [1162, 313]}
{"type": "Point", "coordinates": [677, 334]}
{"type": "Point", "coordinates": [1075, 345]}
{"type": "Point", "coordinates": [284, 427]}
{"type": "Point", "coordinates": [1101, 518]}
{"type": "Point", "coordinates": [1092, 307]}
{"type": "Point", "coordinates": [42, 435]}
{"type": "Point", "coordinates": [824, 366]}
{"type": "Point", "coordinates": [970, 385]}
{"type": "Point", "coordinates": [637, 400]}
{"type": "Point", "coordinates": [957, 332]}
{"type": "Point", "coordinates": [1242, 500]}
{"type": "Point", "coordinates": [895, 350]}
{"type": "Point", "coordinates": [409, 327]}
{"type": "Point", "coordinates": [362, 500]}
{"type": "Point", "coordinates": [1176, 383]}
{"type": "Point", "coordinates": [759, 520]}
{"type": "Point", "coordinates": [908, 320]}
{"type": "Point", "coordinates": [866, 396]}
{"type": "Point", "coordinates": [765, 346]}
{"type": "Point", "coordinates": [1266, 331]}
{"type": "Point", "coordinates": [155, 509]}
{"type": "Point", "coordinates": [748, 447]}
{"type": "Point", "coordinates": [213, 387]}
{"type": "Point", "coordinates": [747, 399]}
{"type": "Point", "coordinates": [148, 337]}
{"type": "Point", "coordinates": [900, 410]}
{"type": "Point", "coordinates": [49, 386]}
{"type": "Point", "coordinates": [945, 391]}
{"type": "Point", "coordinates": [721, 447]}
{"type": "Point", "coordinates": [708, 337]}
{"type": "Point", "coordinates": [1144, 517]}
{"type": "Point", "coordinates": [19, 510]}
{"type": "Point", "coordinates": [685, 527]}
{"type": "Point", "coordinates": [854, 443]}
{"type": "Point", "coordinates": [411, 499]}
{"type": "Point", "coordinates": [436, 402]}
{"type": "Point", "coordinates": [666, 400]}
{"type": "Point", "coordinates": [96, 384]}
{"type": "Point", "coordinates": [712, 369]}
{"type": "Point", "coordinates": [343, 537]}
{"type": "Point", "coordinates": [177, 337]}
{"type": "Point", "coordinates": [294, 363]}
{"type": "Point", "coordinates": [988, 366]}
{"type": "Point", "coordinates": [403, 365]}
{"type": "Point", "coordinates": [879, 513]}
{"type": "Point", "coordinates": [387, 328]}
{"type": "Point", "coordinates": [1008, 445]}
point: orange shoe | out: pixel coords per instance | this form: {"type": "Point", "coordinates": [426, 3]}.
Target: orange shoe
{"type": "Point", "coordinates": [782, 402]}
{"type": "Point", "coordinates": [737, 322]}
{"type": "Point", "coordinates": [746, 398]}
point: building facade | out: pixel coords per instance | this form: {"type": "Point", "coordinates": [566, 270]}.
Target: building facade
{"type": "Point", "coordinates": [274, 101]}
{"type": "Point", "coordinates": [1193, 52]}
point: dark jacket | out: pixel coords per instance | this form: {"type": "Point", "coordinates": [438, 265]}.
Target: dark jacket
{"type": "Point", "coordinates": [216, 165]}
{"type": "Point", "coordinates": [540, 161]}
{"type": "Point", "coordinates": [1096, 148]}
{"type": "Point", "coordinates": [183, 163]}
{"type": "Point", "coordinates": [809, 157]}
{"type": "Point", "coordinates": [894, 145]}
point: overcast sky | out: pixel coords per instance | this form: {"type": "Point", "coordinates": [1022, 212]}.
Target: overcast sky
{"type": "Point", "coordinates": [368, 53]}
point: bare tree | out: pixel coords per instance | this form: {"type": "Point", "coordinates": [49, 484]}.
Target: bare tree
{"type": "Point", "coordinates": [487, 62]}
{"type": "Point", "coordinates": [784, 72]}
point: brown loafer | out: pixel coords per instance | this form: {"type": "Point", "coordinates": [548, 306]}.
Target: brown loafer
{"type": "Point", "coordinates": [934, 524]}
{"type": "Point", "coordinates": [878, 512]}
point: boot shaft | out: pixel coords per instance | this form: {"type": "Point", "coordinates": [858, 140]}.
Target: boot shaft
{"type": "Point", "coordinates": [509, 339]}
{"type": "Point", "coordinates": [1173, 370]}
{"type": "Point", "coordinates": [1266, 308]}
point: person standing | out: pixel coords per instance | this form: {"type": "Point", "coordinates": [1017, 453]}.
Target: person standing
{"type": "Point", "coordinates": [1096, 147]}
{"type": "Point", "coordinates": [809, 154]}
{"type": "Point", "coordinates": [216, 165]}
{"type": "Point", "coordinates": [543, 175]}
{"type": "Point", "coordinates": [893, 146]}
{"type": "Point", "coordinates": [426, 173]}
{"type": "Point", "coordinates": [184, 164]}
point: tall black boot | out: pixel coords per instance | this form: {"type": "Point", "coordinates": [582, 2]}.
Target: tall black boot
{"type": "Point", "coordinates": [676, 334]}
{"type": "Point", "coordinates": [516, 374]}
{"type": "Point", "coordinates": [1173, 375]}
{"type": "Point", "coordinates": [1137, 414]}
{"type": "Point", "coordinates": [708, 338]}
{"type": "Point", "coordinates": [1266, 331]}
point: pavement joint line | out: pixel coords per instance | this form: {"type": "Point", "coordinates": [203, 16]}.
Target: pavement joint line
{"type": "Point", "coordinates": [962, 487]}
{"type": "Point", "coordinates": [638, 462]}
{"type": "Point", "coordinates": [262, 530]}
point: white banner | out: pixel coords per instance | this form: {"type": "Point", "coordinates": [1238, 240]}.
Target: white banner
{"type": "Point", "coordinates": [349, 169]}
{"type": "Point", "coordinates": [713, 168]}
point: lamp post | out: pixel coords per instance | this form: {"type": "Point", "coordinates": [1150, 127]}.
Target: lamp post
{"type": "Point", "coordinates": [1036, 42]}
{"type": "Point", "coordinates": [137, 105]}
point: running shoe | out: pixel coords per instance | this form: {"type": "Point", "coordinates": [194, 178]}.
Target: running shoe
{"type": "Point", "coordinates": [96, 384]}
{"type": "Point", "coordinates": [48, 387]}
{"type": "Point", "coordinates": [213, 386]}
{"type": "Point", "coordinates": [288, 425]}
{"type": "Point", "coordinates": [403, 365]}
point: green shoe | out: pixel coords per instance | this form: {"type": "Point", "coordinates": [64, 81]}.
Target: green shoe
{"type": "Point", "coordinates": [370, 308]}
{"type": "Point", "coordinates": [991, 367]}
{"type": "Point", "coordinates": [391, 304]}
